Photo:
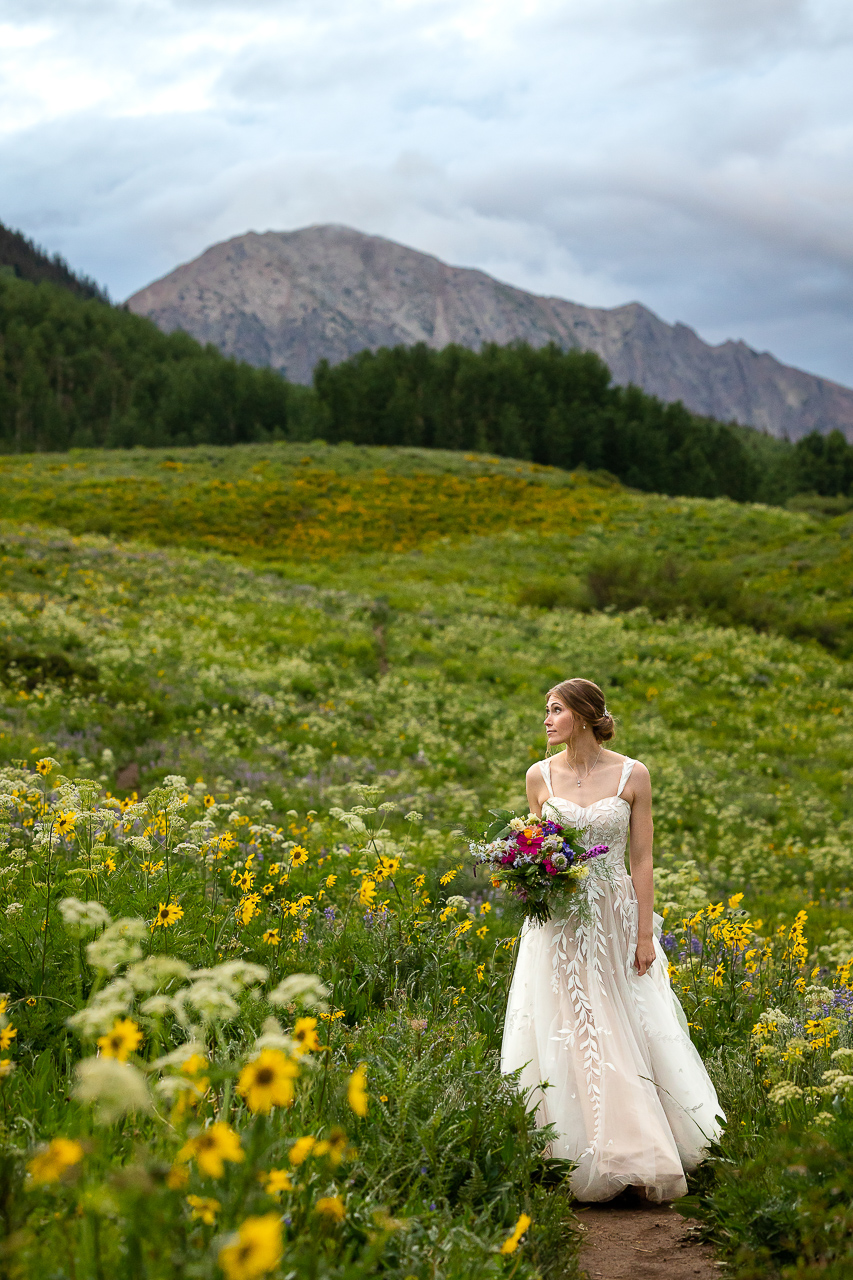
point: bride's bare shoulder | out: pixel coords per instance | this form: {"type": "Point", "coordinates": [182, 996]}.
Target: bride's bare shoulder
{"type": "Point", "coordinates": [535, 770]}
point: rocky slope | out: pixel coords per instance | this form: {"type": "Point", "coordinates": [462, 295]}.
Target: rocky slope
{"type": "Point", "coordinates": [287, 299]}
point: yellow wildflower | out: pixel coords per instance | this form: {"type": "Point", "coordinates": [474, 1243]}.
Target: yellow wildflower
{"type": "Point", "coordinates": [255, 1250]}
{"type": "Point", "coordinates": [124, 1039]}
{"type": "Point", "coordinates": [512, 1242]}
{"type": "Point", "coordinates": [272, 937]}
{"type": "Point", "coordinates": [276, 1181]}
{"type": "Point", "coordinates": [49, 1165]}
{"type": "Point", "coordinates": [357, 1091]}
{"type": "Point", "coordinates": [305, 1035]}
{"type": "Point", "coordinates": [301, 1150]}
{"type": "Point", "coordinates": [204, 1209]}
{"type": "Point", "coordinates": [212, 1147]}
{"type": "Point", "coordinates": [167, 914]}
{"type": "Point", "coordinates": [367, 893]}
{"type": "Point", "coordinates": [331, 1207]}
{"type": "Point", "coordinates": [267, 1081]}
{"type": "Point", "coordinates": [298, 856]}
{"type": "Point", "coordinates": [7, 1035]}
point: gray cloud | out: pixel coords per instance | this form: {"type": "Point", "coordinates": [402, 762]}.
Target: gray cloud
{"type": "Point", "coordinates": [693, 156]}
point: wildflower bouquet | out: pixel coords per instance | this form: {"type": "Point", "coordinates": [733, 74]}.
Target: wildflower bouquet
{"type": "Point", "coordinates": [542, 864]}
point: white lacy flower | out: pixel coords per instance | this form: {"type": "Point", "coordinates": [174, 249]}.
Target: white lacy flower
{"type": "Point", "coordinates": [155, 972]}
{"type": "Point", "coordinates": [119, 944]}
{"type": "Point", "coordinates": [233, 975]}
{"type": "Point", "coordinates": [273, 1036]}
{"type": "Point", "coordinates": [158, 1006]}
{"type": "Point", "coordinates": [178, 1056]}
{"type": "Point", "coordinates": [842, 1055]}
{"type": "Point", "coordinates": [14, 909]}
{"type": "Point", "coordinates": [787, 1091]}
{"type": "Point", "coordinates": [212, 1001]}
{"type": "Point", "coordinates": [140, 844]}
{"type": "Point", "coordinates": [300, 988]}
{"type": "Point", "coordinates": [115, 1088]}
{"type": "Point", "coordinates": [96, 1018]}
{"type": "Point", "coordinates": [83, 917]}
{"type": "Point", "coordinates": [457, 903]}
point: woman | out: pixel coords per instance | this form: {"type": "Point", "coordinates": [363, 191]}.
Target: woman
{"type": "Point", "coordinates": [592, 1022]}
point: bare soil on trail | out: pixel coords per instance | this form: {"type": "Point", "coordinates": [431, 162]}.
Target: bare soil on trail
{"type": "Point", "coordinates": [631, 1240]}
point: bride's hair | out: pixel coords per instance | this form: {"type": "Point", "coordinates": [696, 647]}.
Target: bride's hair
{"type": "Point", "coordinates": [586, 700]}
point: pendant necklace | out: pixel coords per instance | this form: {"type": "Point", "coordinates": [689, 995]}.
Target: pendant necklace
{"type": "Point", "coordinates": [589, 771]}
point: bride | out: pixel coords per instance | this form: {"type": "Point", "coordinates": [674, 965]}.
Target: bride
{"type": "Point", "coordinates": [590, 1008]}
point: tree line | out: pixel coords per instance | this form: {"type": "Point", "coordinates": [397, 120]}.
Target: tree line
{"type": "Point", "coordinates": [561, 408]}
{"type": "Point", "coordinates": [78, 372]}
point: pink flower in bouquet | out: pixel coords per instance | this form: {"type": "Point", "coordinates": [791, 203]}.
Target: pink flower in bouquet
{"type": "Point", "coordinates": [596, 851]}
{"type": "Point", "coordinates": [549, 866]}
{"type": "Point", "coordinates": [529, 840]}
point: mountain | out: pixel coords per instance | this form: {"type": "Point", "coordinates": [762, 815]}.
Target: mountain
{"type": "Point", "coordinates": [24, 259]}
{"type": "Point", "coordinates": [287, 299]}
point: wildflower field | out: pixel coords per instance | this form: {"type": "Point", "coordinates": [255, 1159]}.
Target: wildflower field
{"type": "Point", "coordinates": [253, 989]}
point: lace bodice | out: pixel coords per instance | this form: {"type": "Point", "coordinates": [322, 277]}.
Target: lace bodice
{"type": "Point", "coordinates": [605, 821]}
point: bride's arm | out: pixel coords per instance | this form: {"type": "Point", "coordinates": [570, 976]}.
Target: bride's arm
{"type": "Point", "coordinates": [642, 836]}
{"type": "Point", "coordinates": [536, 789]}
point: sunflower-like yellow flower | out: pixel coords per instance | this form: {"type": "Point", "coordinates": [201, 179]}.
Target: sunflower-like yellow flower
{"type": "Point", "coordinates": [267, 1081]}
{"type": "Point", "coordinates": [305, 1035]}
{"type": "Point", "coordinates": [276, 1181]}
{"type": "Point", "coordinates": [44, 767]}
{"type": "Point", "coordinates": [301, 1150]}
{"type": "Point", "coordinates": [357, 1095]}
{"type": "Point", "coordinates": [212, 1147]}
{"type": "Point", "coordinates": [272, 937]}
{"type": "Point", "coordinates": [512, 1242]}
{"type": "Point", "coordinates": [123, 1040]}
{"type": "Point", "coordinates": [7, 1035]}
{"type": "Point", "coordinates": [367, 892]}
{"type": "Point", "coordinates": [331, 1207]}
{"type": "Point", "coordinates": [49, 1165]}
{"type": "Point", "coordinates": [204, 1209]}
{"type": "Point", "coordinates": [167, 914]}
{"type": "Point", "coordinates": [247, 908]}
{"type": "Point", "coordinates": [255, 1250]}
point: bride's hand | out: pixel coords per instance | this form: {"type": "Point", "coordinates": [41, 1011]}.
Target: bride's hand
{"type": "Point", "coordinates": [645, 957]}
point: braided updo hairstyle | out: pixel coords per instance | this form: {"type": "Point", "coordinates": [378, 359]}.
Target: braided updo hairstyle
{"type": "Point", "coordinates": [586, 700]}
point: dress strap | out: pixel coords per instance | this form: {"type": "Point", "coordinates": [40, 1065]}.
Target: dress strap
{"type": "Point", "coordinates": [626, 773]}
{"type": "Point", "coordinates": [545, 769]}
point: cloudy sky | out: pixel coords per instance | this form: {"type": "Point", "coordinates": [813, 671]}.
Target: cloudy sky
{"type": "Point", "coordinates": [694, 155]}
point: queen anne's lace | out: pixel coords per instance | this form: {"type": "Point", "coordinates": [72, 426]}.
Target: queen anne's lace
{"type": "Point", "coordinates": [627, 1092]}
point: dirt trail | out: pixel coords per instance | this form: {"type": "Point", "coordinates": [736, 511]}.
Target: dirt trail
{"type": "Point", "coordinates": [636, 1241]}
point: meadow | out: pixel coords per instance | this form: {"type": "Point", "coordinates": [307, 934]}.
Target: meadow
{"type": "Point", "coordinates": [254, 741]}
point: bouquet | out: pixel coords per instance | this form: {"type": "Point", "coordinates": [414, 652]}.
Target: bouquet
{"type": "Point", "coordinates": [541, 863]}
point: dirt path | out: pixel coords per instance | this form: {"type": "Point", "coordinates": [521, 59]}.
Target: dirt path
{"type": "Point", "coordinates": [635, 1241]}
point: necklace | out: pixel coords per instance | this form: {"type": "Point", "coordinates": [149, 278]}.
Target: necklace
{"type": "Point", "coordinates": [589, 771]}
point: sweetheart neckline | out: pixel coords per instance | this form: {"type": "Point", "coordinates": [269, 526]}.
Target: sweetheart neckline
{"type": "Point", "coordinates": [584, 807]}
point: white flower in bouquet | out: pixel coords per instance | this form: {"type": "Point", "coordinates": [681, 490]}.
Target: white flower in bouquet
{"type": "Point", "coordinates": [517, 824]}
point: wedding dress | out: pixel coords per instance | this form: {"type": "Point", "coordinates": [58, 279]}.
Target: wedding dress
{"type": "Point", "coordinates": [626, 1090]}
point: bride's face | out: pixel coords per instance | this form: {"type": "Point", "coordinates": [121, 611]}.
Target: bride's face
{"type": "Point", "coordinates": [559, 721]}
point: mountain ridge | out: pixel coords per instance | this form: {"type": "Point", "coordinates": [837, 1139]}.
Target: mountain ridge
{"type": "Point", "coordinates": [289, 299]}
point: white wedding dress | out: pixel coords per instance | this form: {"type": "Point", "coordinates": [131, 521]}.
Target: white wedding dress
{"type": "Point", "coordinates": [626, 1090]}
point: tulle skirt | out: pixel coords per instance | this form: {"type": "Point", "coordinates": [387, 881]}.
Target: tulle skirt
{"type": "Point", "coordinates": [605, 1056]}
